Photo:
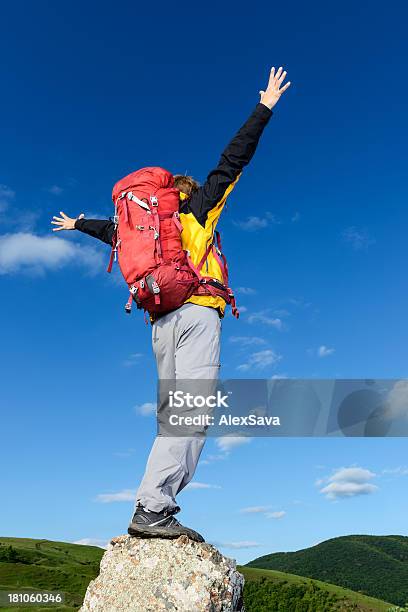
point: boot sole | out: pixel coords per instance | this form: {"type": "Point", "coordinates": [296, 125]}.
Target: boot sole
{"type": "Point", "coordinates": [144, 531]}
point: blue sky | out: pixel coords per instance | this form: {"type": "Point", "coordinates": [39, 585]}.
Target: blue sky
{"type": "Point", "coordinates": [315, 234]}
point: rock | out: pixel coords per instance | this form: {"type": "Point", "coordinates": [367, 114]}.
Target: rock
{"type": "Point", "coordinates": [148, 575]}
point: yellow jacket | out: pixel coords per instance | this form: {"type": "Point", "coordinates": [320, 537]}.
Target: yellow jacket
{"type": "Point", "coordinates": [199, 213]}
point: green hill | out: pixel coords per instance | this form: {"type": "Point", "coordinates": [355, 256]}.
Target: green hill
{"type": "Point", "coordinates": [37, 565]}
{"type": "Point", "coordinates": [372, 565]}
{"type": "Point", "coordinates": [272, 591]}
{"type": "Point", "coordinates": [48, 566]}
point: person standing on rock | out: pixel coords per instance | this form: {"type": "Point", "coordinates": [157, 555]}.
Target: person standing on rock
{"type": "Point", "coordinates": [186, 341]}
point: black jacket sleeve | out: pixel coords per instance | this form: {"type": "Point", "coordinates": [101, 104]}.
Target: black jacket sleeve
{"type": "Point", "coordinates": [235, 157]}
{"type": "Point", "coordinates": [102, 229]}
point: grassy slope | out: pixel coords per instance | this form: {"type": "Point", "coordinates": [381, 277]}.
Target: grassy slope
{"type": "Point", "coordinates": [53, 566]}
{"type": "Point", "coordinates": [58, 566]}
{"type": "Point", "coordinates": [374, 565]}
{"type": "Point", "coordinates": [306, 594]}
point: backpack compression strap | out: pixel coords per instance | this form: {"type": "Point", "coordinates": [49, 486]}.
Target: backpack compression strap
{"type": "Point", "coordinates": [213, 286]}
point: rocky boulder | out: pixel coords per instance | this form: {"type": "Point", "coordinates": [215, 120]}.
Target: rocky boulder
{"type": "Point", "coordinates": [148, 575]}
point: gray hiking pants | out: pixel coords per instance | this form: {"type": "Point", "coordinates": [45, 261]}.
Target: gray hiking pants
{"type": "Point", "coordinates": [186, 344]}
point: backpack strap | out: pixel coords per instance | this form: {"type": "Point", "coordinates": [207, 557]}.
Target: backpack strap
{"type": "Point", "coordinates": [115, 242]}
{"type": "Point", "coordinates": [131, 196]}
{"type": "Point", "coordinates": [156, 217]}
{"type": "Point", "coordinates": [220, 254]}
{"type": "Point", "coordinates": [112, 253]}
{"type": "Point", "coordinates": [224, 291]}
{"type": "Point", "coordinates": [196, 269]}
{"type": "Point", "coordinates": [177, 222]}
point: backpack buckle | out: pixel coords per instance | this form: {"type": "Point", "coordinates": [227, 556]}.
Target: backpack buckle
{"type": "Point", "coordinates": [154, 201]}
{"type": "Point", "coordinates": [156, 292]}
{"type": "Point", "coordinates": [155, 287]}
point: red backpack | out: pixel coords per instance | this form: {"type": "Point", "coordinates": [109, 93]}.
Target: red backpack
{"type": "Point", "coordinates": [147, 244]}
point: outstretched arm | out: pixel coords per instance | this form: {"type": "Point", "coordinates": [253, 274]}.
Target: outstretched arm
{"type": "Point", "coordinates": [102, 229]}
{"type": "Point", "coordinates": [239, 151]}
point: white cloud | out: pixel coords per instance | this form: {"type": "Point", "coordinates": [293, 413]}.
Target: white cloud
{"type": "Point", "coordinates": [247, 340]}
{"type": "Point", "coordinates": [398, 471]}
{"type": "Point", "coordinates": [6, 196]}
{"type": "Point", "coordinates": [325, 351]}
{"type": "Point", "coordinates": [55, 190]}
{"type": "Point", "coordinates": [27, 252]}
{"type": "Point", "coordinates": [347, 489]}
{"type": "Point", "coordinates": [282, 312]}
{"type": "Point", "coordinates": [237, 545]}
{"type": "Point", "coordinates": [133, 359]}
{"type": "Point", "coordinates": [245, 290]}
{"type": "Point", "coordinates": [254, 223]}
{"type": "Point", "coordinates": [211, 459]}
{"type": "Point", "coordinates": [121, 496]}
{"type": "Point", "coordinates": [264, 318]}
{"type": "Point", "coordinates": [251, 224]}
{"type": "Point", "coordinates": [265, 510]}
{"type": "Point", "coordinates": [347, 482]}
{"type": "Point", "coordinates": [146, 409]}
{"type": "Point", "coordinates": [255, 509]}
{"type": "Point", "coordinates": [242, 309]}
{"type": "Point", "coordinates": [92, 542]}
{"type": "Point", "coordinates": [275, 515]}
{"type": "Point", "coordinates": [260, 360]}
{"type": "Point", "coordinates": [299, 302]}
{"type": "Point", "coordinates": [25, 220]}
{"type": "Point", "coordinates": [227, 443]}
{"type": "Point", "coordinates": [359, 239]}
{"type": "Point", "coordinates": [201, 485]}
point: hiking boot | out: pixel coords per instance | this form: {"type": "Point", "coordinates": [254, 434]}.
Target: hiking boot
{"type": "Point", "coordinates": [148, 524]}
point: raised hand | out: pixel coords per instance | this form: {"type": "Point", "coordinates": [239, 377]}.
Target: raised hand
{"type": "Point", "coordinates": [273, 92]}
{"type": "Point", "coordinates": [64, 222]}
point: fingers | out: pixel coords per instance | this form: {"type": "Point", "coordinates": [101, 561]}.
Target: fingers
{"type": "Point", "coordinates": [276, 78]}
{"type": "Point", "coordinates": [285, 87]}
{"type": "Point", "coordinates": [63, 215]}
{"type": "Point", "coordinates": [57, 229]}
{"type": "Point", "coordinates": [58, 222]}
{"type": "Point", "coordinates": [271, 76]}
{"type": "Point", "coordinates": [278, 74]}
{"type": "Point", "coordinates": [58, 219]}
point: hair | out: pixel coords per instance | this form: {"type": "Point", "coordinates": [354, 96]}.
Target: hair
{"type": "Point", "coordinates": [186, 184]}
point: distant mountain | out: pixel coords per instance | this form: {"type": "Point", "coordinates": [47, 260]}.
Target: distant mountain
{"type": "Point", "coordinates": [373, 565]}
{"type": "Point", "coordinates": [57, 566]}
{"type": "Point", "coordinates": [271, 591]}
